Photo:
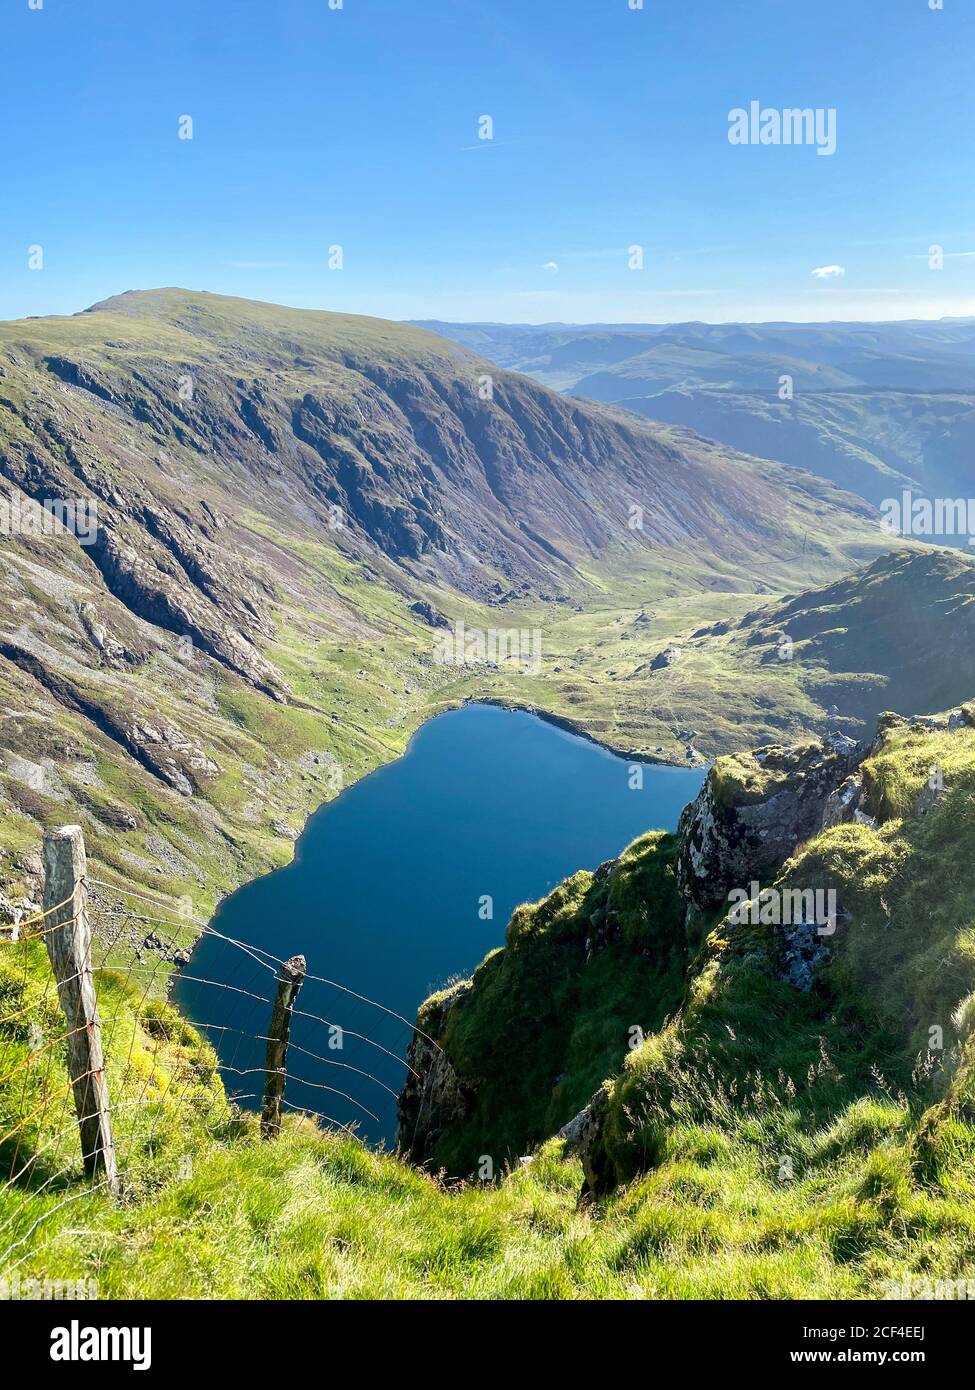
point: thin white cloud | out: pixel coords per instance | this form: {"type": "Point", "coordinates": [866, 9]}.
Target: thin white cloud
{"type": "Point", "coordinates": [829, 272]}
{"type": "Point", "coordinates": [550, 266]}
{"type": "Point", "coordinates": [948, 255]}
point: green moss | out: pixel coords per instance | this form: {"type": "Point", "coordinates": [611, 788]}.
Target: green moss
{"type": "Point", "coordinates": [850, 1068]}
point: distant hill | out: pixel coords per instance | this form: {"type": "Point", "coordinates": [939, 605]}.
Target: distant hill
{"type": "Point", "coordinates": [872, 442]}
{"type": "Point", "coordinates": [873, 407]}
{"type": "Point", "coordinates": [911, 355]}
{"type": "Point", "coordinates": [898, 635]}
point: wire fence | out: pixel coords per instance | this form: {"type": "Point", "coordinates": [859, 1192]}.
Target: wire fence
{"type": "Point", "coordinates": [105, 1084]}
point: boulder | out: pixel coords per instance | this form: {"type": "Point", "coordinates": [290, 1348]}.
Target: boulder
{"type": "Point", "coordinates": [429, 614]}
{"type": "Point", "coordinates": [668, 657]}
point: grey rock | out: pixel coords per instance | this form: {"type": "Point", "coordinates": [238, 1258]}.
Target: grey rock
{"type": "Point", "coordinates": [725, 846]}
{"type": "Point", "coordinates": [805, 949]}
{"type": "Point", "coordinates": [930, 799]}
{"type": "Point", "coordinates": [668, 657]}
{"type": "Point", "coordinates": [583, 1140]}
{"type": "Point", "coordinates": [434, 1096]}
{"type": "Point", "coordinates": [429, 614]}
{"type": "Point", "coordinates": [843, 803]}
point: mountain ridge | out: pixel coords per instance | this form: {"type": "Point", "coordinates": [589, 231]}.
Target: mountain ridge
{"type": "Point", "coordinates": [875, 406]}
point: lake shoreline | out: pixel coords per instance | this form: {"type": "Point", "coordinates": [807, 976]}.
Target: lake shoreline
{"type": "Point", "coordinates": [388, 896]}
{"type": "Point", "coordinates": [558, 721]}
{"type": "Point", "coordinates": [569, 726]}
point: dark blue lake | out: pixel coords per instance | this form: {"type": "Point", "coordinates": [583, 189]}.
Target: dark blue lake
{"type": "Point", "coordinates": [386, 896]}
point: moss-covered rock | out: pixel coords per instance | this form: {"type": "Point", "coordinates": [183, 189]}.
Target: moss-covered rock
{"type": "Point", "coordinates": [752, 811]}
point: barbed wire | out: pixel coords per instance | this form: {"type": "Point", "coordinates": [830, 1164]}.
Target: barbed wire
{"type": "Point", "coordinates": [170, 1076]}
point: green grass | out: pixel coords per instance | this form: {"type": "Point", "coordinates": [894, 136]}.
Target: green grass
{"type": "Point", "coordinates": [548, 1017]}
{"type": "Point", "coordinates": [761, 1143]}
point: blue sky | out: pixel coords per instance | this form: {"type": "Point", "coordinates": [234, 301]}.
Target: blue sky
{"type": "Point", "coordinates": [358, 127]}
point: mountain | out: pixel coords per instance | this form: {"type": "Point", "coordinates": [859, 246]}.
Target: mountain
{"type": "Point", "coordinates": [306, 412]}
{"type": "Point", "coordinates": [897, 356]}
{"type": "Point", "coordinates": [875, 408]}
{"type": "Point", "coordinates": [910, 355]}
{"type": "Point", "coordinates": [675, 363]}
{"type": "Point", "coordinates": [558, 355]}
{"type": "Point", "coordinates": [275, 509]}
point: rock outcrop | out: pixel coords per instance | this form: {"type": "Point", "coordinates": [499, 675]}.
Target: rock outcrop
{"type": "Point", "coordinates": [754, 809]}
{"type": "Point", "coordinates": [433, 1096]}
{"type": "Point", "coordinates": [668, 657]}
{"type": "Point", "coordinates": [581, 1138]}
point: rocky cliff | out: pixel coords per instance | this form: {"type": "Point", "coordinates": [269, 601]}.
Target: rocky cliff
{"type": "Point", "coordinates": [752, 812]}
{"type": "Point", "coordinates": [813, 844]}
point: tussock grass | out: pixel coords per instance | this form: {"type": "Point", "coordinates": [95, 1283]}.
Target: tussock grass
{"type": "Point", "coordinates": [763, 1143]}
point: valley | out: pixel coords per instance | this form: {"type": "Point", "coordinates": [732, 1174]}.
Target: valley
{"type": "Point", "coordinates": [255, 622]}
{"type": "Point", "coordinates": [306, 537]}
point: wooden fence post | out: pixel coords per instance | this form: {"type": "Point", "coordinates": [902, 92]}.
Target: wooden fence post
{"type": "Point", "coordinates": [290, 980]}
{"type": "Point", "coordinates": [68, 936]}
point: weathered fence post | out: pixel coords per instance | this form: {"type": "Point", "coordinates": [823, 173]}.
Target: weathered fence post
{"type": "Point", "coordinates": [290, 980]}
{"type": "Point", "coordinates": [68, 936]}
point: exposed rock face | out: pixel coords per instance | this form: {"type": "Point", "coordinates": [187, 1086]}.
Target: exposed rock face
{"type": "Point", "coordinates": [752, 812]}
{"type": "Point", "coordinates": [581, 1136]}
{"type": "Point", "coordinates": [428, 613]}
{"type": "Point", "coordinates": [433, 1096]}
{"type": "Point", "coordinates": [845, 803]}
{"type": "Point", "coordinates": [668, 657]}
{"type": "Point", "coordinates": [802, 950]}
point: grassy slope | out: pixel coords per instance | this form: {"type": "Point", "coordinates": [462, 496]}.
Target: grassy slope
{"type": "Point", "coordinates": [880, 1133]}
{"type": "Point", "coordinates": [348, 646]}
{"type": "Point", "coordinates": [546, 1020]}
{"type": "Point", "coordinates": [898, 635]}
